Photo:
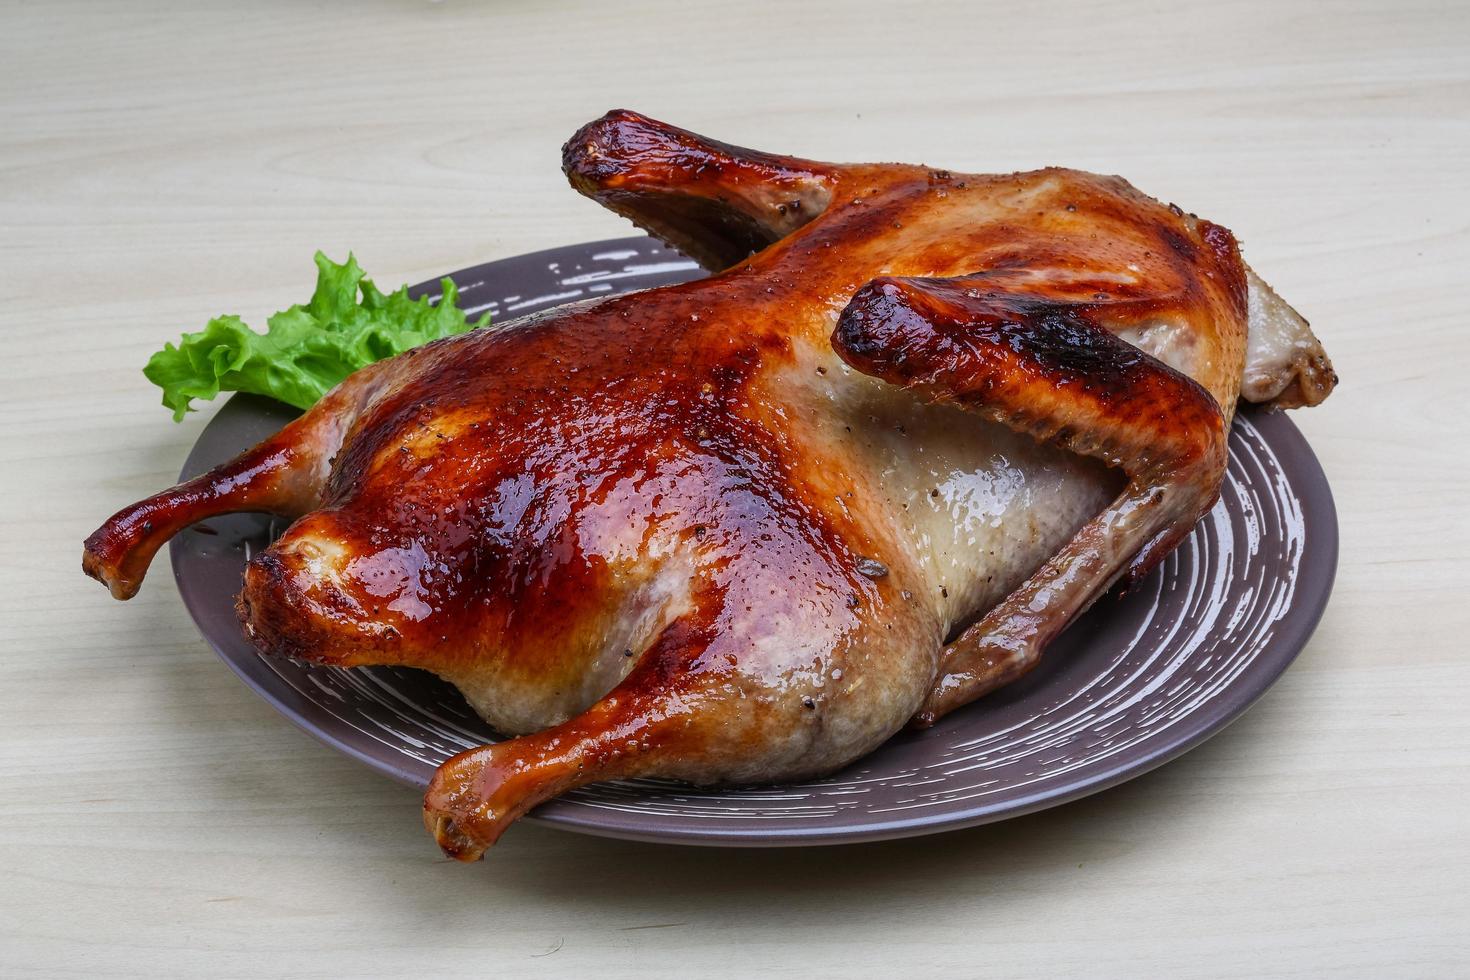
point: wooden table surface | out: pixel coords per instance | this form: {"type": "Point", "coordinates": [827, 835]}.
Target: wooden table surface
{"type": "Point", "coordinates": [162, 164]}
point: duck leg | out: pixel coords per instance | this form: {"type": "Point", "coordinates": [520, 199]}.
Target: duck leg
{"type": "Point", "coordinates": [653, 715]}
{"type": "Point", "coordinates": [1047, 364]}
{"type": "Point", "coordinates": [743, 684]}
{"type": "Point", "coordinates": [282, 475]}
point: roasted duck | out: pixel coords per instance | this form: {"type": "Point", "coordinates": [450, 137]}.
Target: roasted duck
{"type": "Point", "coordinates": [745, 529]}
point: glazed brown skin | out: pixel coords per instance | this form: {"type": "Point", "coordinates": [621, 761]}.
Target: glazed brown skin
{"type": "Point", "coordinates": [671, 533]}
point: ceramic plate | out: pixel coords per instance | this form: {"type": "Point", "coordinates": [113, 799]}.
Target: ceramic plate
{"type": "Point", "coordinates": [1139, 680]}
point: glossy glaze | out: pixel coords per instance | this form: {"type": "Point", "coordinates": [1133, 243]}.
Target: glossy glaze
{"type": "Point", "coordinates": [672, 533]}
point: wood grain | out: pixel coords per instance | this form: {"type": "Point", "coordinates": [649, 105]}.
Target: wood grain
{"type": "Point", "coordinates": [163, 163]}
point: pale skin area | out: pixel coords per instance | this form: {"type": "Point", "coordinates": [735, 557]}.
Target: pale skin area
{"type": "Point", "coordinates": [776, 608]}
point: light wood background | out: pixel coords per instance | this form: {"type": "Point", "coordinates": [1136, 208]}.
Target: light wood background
{"type": "Point", "coordinates": [163, 163]}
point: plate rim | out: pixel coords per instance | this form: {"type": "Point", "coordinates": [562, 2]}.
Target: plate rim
{"type": "Point", "coordinates": [1313, 591]}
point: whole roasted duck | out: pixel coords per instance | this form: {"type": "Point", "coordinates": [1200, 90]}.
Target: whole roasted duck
{"type": "Point", "coordinates": [744, 529]}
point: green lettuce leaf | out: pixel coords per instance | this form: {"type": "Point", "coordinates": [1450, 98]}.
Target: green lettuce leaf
{"type": "Point", "coordinates": [306, 350]}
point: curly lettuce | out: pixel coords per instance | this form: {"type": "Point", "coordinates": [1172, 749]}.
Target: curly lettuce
{"type": "Point", "coordinates": [306, 350]}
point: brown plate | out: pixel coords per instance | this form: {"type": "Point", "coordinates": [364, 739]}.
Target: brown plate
{"type": "Point", "coordinates": [1139, 680]}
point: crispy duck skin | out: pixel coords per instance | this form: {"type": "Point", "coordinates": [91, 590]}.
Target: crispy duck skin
{"type": "Point", "coordinates": [746, 528]}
